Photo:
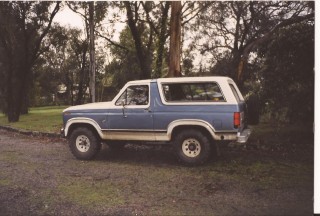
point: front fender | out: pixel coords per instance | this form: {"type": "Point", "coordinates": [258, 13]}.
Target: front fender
{"type": "Point", "coordinates": [81, 120]}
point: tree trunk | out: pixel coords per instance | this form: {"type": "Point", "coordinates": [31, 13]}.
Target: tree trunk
{"type": "Point", "coordinates": [175, 40]}
{"type": "Point", "coordinates": [161, 41]}
{"type": "Point", "coordinates": [82, 85]}
{"type": "Point", "coordinates": [143, 56]}
{"type": "Point", "coordinates": [69, 91]}
{"type": "Point", "coordinates": [92, 54]}
{"type": "Point", "coordinates": [13, 115]}
{"type": "Point", "coordinates": [23, 56]}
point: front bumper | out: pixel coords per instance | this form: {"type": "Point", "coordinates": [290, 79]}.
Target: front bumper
{"type": "Point", "coordinates": [62, 133]}
{"type": "Point", "coordinates": [242, 137]}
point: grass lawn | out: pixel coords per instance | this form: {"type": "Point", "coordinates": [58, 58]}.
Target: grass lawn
{"type": "Point", "coordinates": [45, 119]}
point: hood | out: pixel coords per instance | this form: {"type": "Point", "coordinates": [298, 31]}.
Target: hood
{"type": "Point", "coordinates": [89, 106]}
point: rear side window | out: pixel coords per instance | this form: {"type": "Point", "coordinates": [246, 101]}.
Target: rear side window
{"type": "Point", "coordinates": [192, 92]}
{"type": "Point", "coordinates": [235, 93]}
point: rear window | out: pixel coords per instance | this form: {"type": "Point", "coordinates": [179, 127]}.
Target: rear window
{"type": "Point", "coordinates": [235, 93]}
{"type": "Point", "coordinates": [192, 92]}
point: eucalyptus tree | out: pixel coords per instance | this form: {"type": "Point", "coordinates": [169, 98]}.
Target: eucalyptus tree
{"type": "Point", "coordinates": [181, 16]}
{"type": "Point", "coordinates": [160, 28]}
{"type": "Point", "coordinates": [236, 29]}
{"type": "Point", "coordinates": [68, 57]}
{"type": "Point", "coordinates": [147, 22]}
{"type": "Point", "coordinates": [50, 69]}
{"type": "Point", "coordinates": [175, 40]}
{"type": "Point", "coordinates": [23, 26]}
{"type": "Point", "coordinates": [93, 14]}
{"type": "Point", "coordinates": [138, 28]}
{"type": "Point", "coordinates": [124, 65]}
{"type": "Point", "coordinates": [154, 20]}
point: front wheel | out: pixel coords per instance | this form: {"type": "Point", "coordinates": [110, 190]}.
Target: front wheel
{"type": "Point", "coordinates": [192, 147]}
{"type": "Point", "coordinates": [84, 144]}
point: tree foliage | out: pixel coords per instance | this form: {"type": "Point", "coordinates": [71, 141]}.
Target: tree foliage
{"type": "Point", "coordinates": [93, 13]}
{"type": "Point", "coordinates": [239, 28]}
{"type": "Point", "coordinates": [287, 74]}
{"type": "Point", "coordinates": [125, 64]}
{"type": "Point", "coordinates": [265, 46]}
{"type": "Point", "coordinates": [23, 26]}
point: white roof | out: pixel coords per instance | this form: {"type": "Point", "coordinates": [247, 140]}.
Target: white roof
{"type": "Point", "coordinates": [139, 81]}
{"type": "Point", "coordinates": [184, 79]}
{"type": "Point", "coordinates": [194, 79]}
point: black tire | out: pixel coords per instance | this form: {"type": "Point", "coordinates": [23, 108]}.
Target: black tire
{"type": "Point", "coordinates": [192, 147]}
{"type": "Point", "coordinates": [253, 110]}
{"type": "Point", "coordinates": [84, 144]}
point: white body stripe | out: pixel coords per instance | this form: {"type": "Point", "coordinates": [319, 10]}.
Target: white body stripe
{"type": "Point", "coordinates": [140, 135]}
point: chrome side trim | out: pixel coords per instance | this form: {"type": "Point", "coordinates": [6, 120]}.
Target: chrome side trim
{"type": "Point", "coordinates": [133, 130]}
{"type": "Point", "coordinates": [127, 135]}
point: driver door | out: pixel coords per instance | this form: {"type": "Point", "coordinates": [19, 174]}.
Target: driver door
{"type": "Point", "coordinates": [133, 117]}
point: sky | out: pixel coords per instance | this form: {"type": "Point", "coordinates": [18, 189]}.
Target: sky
{"type": "Point", "coordinates": [67, 17]}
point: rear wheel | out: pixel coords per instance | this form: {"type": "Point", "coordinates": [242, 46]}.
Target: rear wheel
{"type": "Point", "coordinates": [84, 144]}
{"type": "Point", "coordinates": [192, 147]}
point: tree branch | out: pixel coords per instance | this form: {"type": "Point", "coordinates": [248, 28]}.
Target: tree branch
{"type": "Point", "coordinates": [200, 9]}
{"type": "Point", "coordinates": [268, 35]}
{"type": "Point", "coordinates": [110, 41]}
{"type": "Point", "coordinates": [45, 32]}
{"type": "Point", "coordinates": [151, 24]}
{"type": "Point", "coordinates": [255, 43]}
{"type": "Point", "coordinates": [77, 12]}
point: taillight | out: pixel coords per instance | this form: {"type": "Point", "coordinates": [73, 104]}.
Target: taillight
{"type": "Point", "coordinates": [236, 119]}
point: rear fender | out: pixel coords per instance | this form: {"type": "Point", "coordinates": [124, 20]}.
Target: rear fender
{"type": "Point", "coordinates": [192, 122]}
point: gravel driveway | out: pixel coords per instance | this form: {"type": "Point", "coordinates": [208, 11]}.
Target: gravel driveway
{"type": "Point", "coordinates": [39, 176]}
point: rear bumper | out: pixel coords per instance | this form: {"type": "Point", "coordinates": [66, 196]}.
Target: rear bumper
{"type": "Point", "coordinates": [242, 137]}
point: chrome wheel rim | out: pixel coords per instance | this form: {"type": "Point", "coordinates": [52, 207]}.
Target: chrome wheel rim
{"type": "Point", "coordinates": [82, 143]}
{"type": "Point", "coordinates": [191, 147]}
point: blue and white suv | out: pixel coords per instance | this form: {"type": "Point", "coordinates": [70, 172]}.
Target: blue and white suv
{"type": "Point", "coordinates": [190, 113]}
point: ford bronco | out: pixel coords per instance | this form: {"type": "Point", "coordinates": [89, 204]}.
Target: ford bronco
{"type": "Point", "coordinates": [190, 113]}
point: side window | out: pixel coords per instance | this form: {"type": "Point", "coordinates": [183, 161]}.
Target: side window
{"type": "Point", "coordinates": [134, 95]}
{"type": "Point", "coordinates": [235, 93]}
{"type": "Point", "coordinates": [193, 92]}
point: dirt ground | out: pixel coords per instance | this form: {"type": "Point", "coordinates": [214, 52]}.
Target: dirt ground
{"type": "Point", "coordinates": [39, 176]}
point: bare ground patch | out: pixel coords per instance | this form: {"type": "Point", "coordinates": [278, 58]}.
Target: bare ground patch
{"type": "Point", "coordinates": [39, 176]}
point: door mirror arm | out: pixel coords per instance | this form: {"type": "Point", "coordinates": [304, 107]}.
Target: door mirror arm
{"type": "Point", "coordinates": [123, 107]}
